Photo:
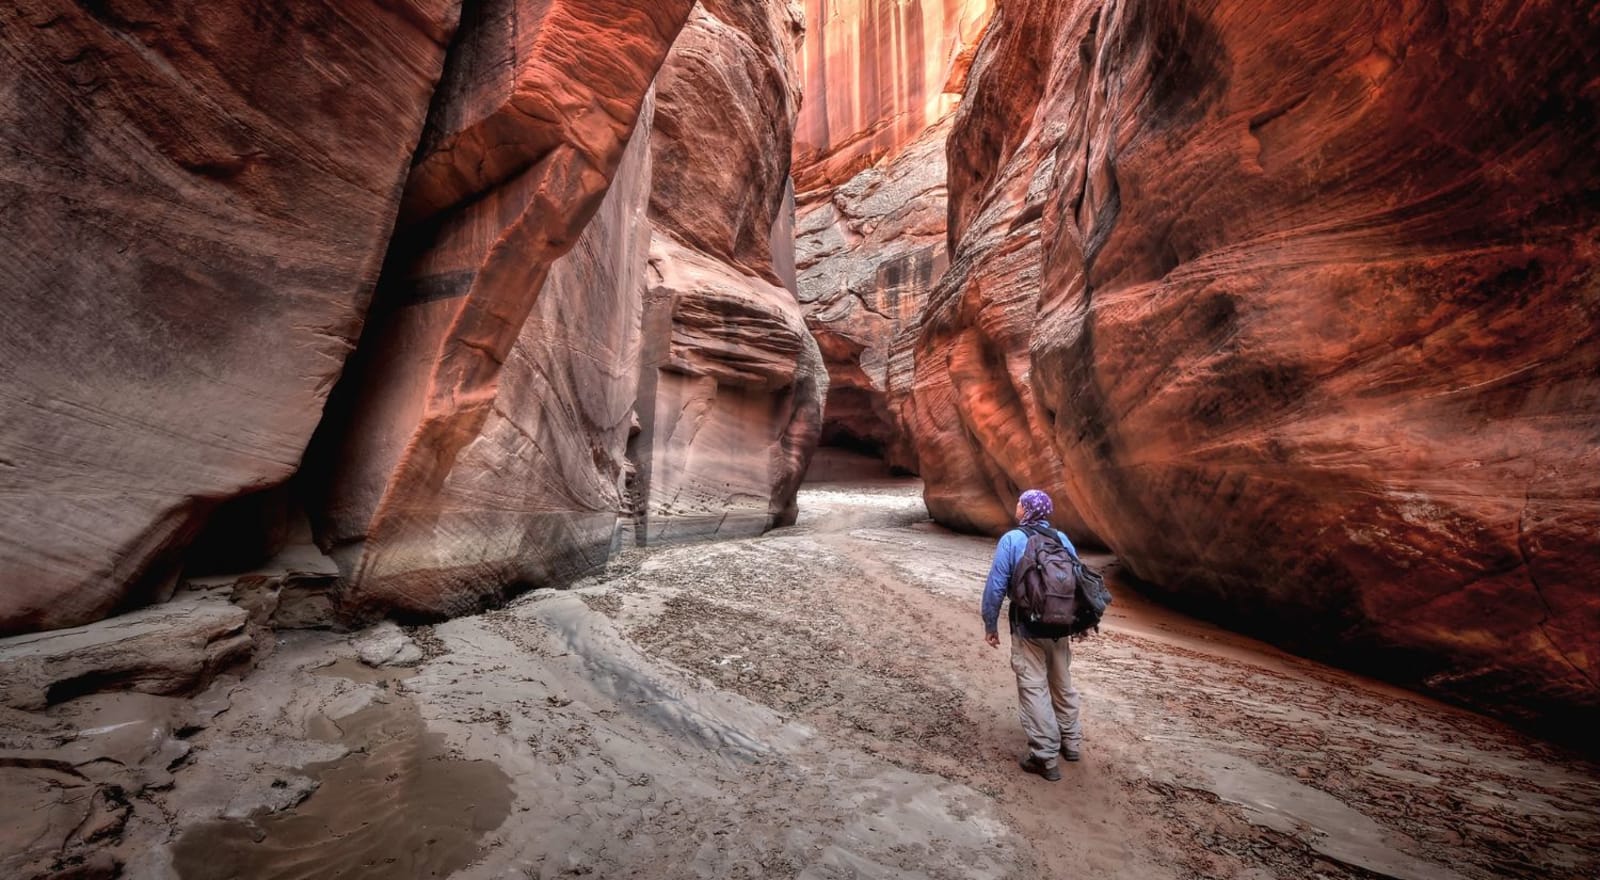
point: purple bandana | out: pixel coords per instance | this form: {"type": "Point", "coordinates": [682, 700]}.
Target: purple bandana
{"type": "Point", "coordinates": [1036, 507]}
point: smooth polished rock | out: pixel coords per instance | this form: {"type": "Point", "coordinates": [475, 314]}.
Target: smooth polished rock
{"type": "Point", "coordinates": [477, 444]}
{"type": "Point", "coordinates": [1315, 336]}
{"type": "Point", "coordinates": [732, 384]}
{"type": "Point", "coordinates": [199, 197]}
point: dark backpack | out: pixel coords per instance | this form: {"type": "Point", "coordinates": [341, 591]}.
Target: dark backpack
{"type": "Point", "coordinates": [1051, 586]}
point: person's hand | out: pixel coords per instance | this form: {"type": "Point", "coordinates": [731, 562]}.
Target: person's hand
{"type": "Point", "coordinates": [993, 638]}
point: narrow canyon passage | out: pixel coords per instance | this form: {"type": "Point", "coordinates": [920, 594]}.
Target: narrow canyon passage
{"type": "Point", "coordinates": [815, 702]}
{"type": "Point", "coordinates": [410, 420]}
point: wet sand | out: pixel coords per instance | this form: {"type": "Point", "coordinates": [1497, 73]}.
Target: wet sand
{"type": "Point", "coordinates": [396, 805]}
{"type": "Point", "coordinates": [818, 703]}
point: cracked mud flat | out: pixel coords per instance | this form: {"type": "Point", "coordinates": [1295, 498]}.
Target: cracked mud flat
{"type": "Point", "coordinates": [813, 703]}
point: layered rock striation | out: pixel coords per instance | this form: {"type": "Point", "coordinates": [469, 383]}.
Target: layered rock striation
{"type": "Point", "coordinates": [1295, 307]}
{"type": "Point", "coordinates": [978, 433]}
{"type": "Point", "coordinates": [868, 253]}
{"type": "Point", "coordinates": [477, 443]}
{"type": "Point", "coordinates": [1316, 338]}
{"type": "Point", "coordinates": [208, 200]}
{"type": "Point", "coordinates": [732, 384]}
{"type": "Point", "coordinates": [199, 200]}
{"type": "Point", "coordinates": [877, 74]}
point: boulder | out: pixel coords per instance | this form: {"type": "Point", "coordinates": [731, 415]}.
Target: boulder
{"type": "Point", "coordinates": [199, 196]}
{"type": "Point", "coordinates": [387, 645]}
{"type": "Point", "coordinates": [172, 648]}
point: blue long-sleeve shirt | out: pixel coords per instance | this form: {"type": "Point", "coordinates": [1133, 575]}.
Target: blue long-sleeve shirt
{"type": "Point", "coordinates": [1006, 555]}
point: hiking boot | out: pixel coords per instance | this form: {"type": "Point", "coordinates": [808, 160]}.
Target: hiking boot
{"type": "Point", "coordinates": [1071, 754]}
{"type": "Point", "coordinates": [1031, 764]}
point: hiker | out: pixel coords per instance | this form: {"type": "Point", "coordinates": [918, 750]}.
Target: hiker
{"type": "Point", "coordinates": [1041, 654]}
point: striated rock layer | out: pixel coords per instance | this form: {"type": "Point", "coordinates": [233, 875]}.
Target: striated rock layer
{"type": "Point", "coordinates": [1317, 338]}
{"type": "Point", "coordinates": [881, 79]}
{"type": "Point", "coordinates": [732, 384]}
{"type": "Point", "coordinates": [225, 194]}
{"type": "Point", "coordinates": [978, 433]}
{"type": "Point", "coordinates": [877, 74]}
{"type": "Point", "coordinates": [198, 199]}
{"type": "Point", "coordinates": [479, 439]}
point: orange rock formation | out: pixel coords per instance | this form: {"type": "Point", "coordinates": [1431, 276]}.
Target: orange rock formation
{"type": "Point", "coordinates": [1315, 335]}
{"type": "Point", "coordinates": [199, 198]}
{"type": "Point", "coordinates": [731, 394]}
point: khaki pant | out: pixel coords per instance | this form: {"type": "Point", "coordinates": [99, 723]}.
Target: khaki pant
{"type": "Point", "coordinates": [1045, 695]}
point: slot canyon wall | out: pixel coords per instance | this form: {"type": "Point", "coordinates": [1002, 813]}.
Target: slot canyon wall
{"type": "Point", "coordinates": [1304, 300]}
{"type": "Point", "coordinates": [882, 79]}
{"type": "Point", "coordinates": [386, 272]}
{"type": "Point", "coordinates": [732, 390]}
{"type": "Point", "coordinates": [477, 441]}
{"type": "Point", "coordinates": [199, 202]}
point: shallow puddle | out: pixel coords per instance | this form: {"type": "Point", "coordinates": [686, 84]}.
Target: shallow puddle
{"type": "Point", "coordinates": [397, 806]}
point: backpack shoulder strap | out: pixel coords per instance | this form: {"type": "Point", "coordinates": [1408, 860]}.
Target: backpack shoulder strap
{"type": "Point", "coordinates": [1040, 532]}
{"type": "Point", "coordinates": [1066, 543]}
{"type": "Point", "coordinates": [1053, 534]}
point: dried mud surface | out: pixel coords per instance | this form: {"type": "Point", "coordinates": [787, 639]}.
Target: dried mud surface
{"type": "Point", "coordinates": [815, 703]}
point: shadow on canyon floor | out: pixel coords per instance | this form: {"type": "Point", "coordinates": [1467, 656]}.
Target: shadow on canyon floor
{"type": "Point", "coordinates": [814, 703]}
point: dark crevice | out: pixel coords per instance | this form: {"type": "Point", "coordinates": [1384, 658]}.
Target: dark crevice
{"type": "Point", "coordinates": [88, 683]}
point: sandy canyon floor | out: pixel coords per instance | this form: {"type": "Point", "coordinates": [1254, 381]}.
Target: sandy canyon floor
{"type": "Point", "coordinates": [813, 703]}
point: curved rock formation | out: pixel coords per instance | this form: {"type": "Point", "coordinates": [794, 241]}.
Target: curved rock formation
{"type": "Point", "coordinates": [199, 196]}
{"type": "Point", "coordinates": [225, 197]}
{"type": "Point", "coordinates": [732, 386]}
{"type": "Point", "coordinates": [1318, 335]}
{"type": "Point", "coordinates": [979, 435]}
{"type": "Point", "coordinates": [478, 439]}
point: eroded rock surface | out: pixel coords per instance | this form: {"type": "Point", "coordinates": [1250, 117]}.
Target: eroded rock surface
{"type": "Point", "coordinates": [744, 709]}
{"type": "Point", "coordinates": [969, 408]}
{"type": "Point", "coordinates": [1317, 343]}
{"type": "Point", "coordinates": [477, 444]}
{"type": "Point", "coordinates": [882, 79]}
{"type": "Point", "coordinates": [869, 252]}
{"type": "Point", "coordinates": [732, 384]}
{"type": "Point", "coordinates": [76, 781]}
{"type": "Point", "coordinates": [199, 197]}
{"type": "Point", "coordinates": [172, 648]}
{"type": "Point", "coordinates": [480, 444]}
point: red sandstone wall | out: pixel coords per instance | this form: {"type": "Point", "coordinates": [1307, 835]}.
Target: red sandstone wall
{"type": "Point", "coordinates": [203, 200]}
{"type": "Point", "coordinates": [1316, 335]}
{"type": "Point", "coordinates": [731, 393]}
{"type": "Point", "coordinates": [198, 201]}
{"type": "Point", "coordinates": [444, 478]}
{"type": "Point", "coordinates": [876, 74]}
